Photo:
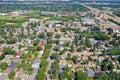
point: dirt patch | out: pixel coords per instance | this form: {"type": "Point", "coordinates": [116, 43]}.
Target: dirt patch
{"type": "Point", "coordinates": [8, 23]}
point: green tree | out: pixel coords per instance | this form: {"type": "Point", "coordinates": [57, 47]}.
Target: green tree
{"type": "Point", "coordinates": [11, 75]}
{"type": "Point", "coordinates": [57, 35]}
{"type": "Point", "coordinates": [67, 74]}
{"type": "Point", "coordinates": [19, 65]}
{"type": "Point", "coordinates": [75, 59]}
{"type": "Point", "coordinates": [50, 41]}
{"type": "Point", "coordinates": [81, 75]}
{"type": "Point", "coordinates": [49, 34]}
{"type": "Point", "coordinates": [38, 48]}
{"type": "Point", "coordinates": [36, 42]}
{"type": "Point", "coordinates": [3, 66]}
{"type": "Point", "coordinates": [101, 36]}
{"type": "Point", "coordinates": [41, 75]}
{"type": "Point", "coordinates": [41, 35]}
{"type": "Point", "coordinates": [2, 41]}
{"type": "Point", "coordinates": [54, 56]}
{"type": "Point", "coordinates": [11, 41]}
{"type": "Point", "coordinates": [9, 51]}
{"type": "Point", "coordinates": [29, 69]}
{"type": "Point", "coordinates": [48, 46]}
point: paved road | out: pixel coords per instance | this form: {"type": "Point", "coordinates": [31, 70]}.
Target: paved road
{"type": "Point", "coordinates": [50, 61]}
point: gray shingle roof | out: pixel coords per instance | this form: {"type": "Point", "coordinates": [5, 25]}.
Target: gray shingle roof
{"type": "Point", "coordinates": [35, 71]}
{"type": "Point", "coordinates": [12, 65]}
{"type": "Point", "coordinates": [15, 60]}
{"type": "Point", "coordinates": [37, 60]}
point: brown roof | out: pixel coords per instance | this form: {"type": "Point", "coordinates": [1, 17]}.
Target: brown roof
{"type": "Point", "coordinates": [8, 70]}
{"type": "Point", "coordinates": [4, 76]}
{"type": "Point", "coordinates": [84, 57]}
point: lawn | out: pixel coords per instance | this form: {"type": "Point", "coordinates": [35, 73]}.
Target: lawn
{"type": "Point", "coordinates": [6, 21]}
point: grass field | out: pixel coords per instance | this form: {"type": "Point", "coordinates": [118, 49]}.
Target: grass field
{"type": "Point", "coordinates": [6, 21]}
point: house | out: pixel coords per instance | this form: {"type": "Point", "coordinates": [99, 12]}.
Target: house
{"type": "Point", "coordinates": [44, 41]}
{"type": "Point", "coordinates": [38, 45]}
{"type": "Point", "coordinates": [23, 76]}
{"type": "Point", "coordinates": [17, 13]}
{"type": "Point", "coordinates": [79, 58]}
{"type": "Point", "coordinates": [41, 52]}
{"type": "Point", "coordinates": [113, 62]}
{"type": "Point", "coordinates": [57, 29]}
{"type": "Point", "coordinates": [26, 52]}
{"type": "Point", "coordinates": [96, 14]}
{"type": "Point", "coordinates": [48, 13]}
{"type": "Point", "coordinates": [36, 63]}
{"type": "Point", "coordinates": [100, 59]}
{"type": "Point", "coordinates": [31, 77]}
{"type": "Point", "coordinates": [4, 14]}
{"type": "Point", "coordinates": [7, 58]}
{"type": "Point", "coordinates": [90, 72]}
{"type": "Point", "coordinates": [15, 60]}
{"type": "Point", "coordinates": [57, 23]}
{"type": "Point", "coordinates": [66, 13]}
{"type": "Point", "coordinates": [35, 71]}
{"type": "Point", "coordinates": [63, 56]}
{"type": "Point", "coordinates": [84, 57]}
{"type": "Point", "coordinates": [61, 43]}
{"type": "Point", "coordinates": [14, 63]}
{"type": "Point", "coordinates": [54, 23]}
{"type": "Point", "coordinates": [8, 70]}
{"type": "Point", "coordinates": [14, 14]}
{"type": "Point", "coordinates": [118, 35]}
{"type": "Point", "coordinates": [33, 20]}
{"type": "Point", "coordinates": [94, 57]}
{"type": "Point", "coordinates": [93, 41]}
{"type": "Point", "coordinates": [115, 29]}
{"type": "Point", "coordinates": [87, 21]}
{"type": "Point", "coordinates": [19, 54]}
{"type": "Point", "coordinates": [3, 76]}
{"type": "Point", "coordinates": [62, 64]}
{"type": "Point", "coordinates": [35, 66]}
{"type": "Point", "coordinates": [27, 40]}
{"type": "Point", "coordinates": [61, 48]}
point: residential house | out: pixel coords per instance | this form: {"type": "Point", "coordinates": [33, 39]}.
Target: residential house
{"type": "Point", "coordinates": [4, 14]}
{"type": "Point", "coordinates": [100, 59]}
{"type": "Point", "coordinates": [84, 57]}
{"type": "Point", "coordinates": [87, 21]}
{"type": "Point", "coordinates": [44, 41]}
{"type": "Point", "coordinates": [8, 70]}
{"type": "Point", "coordinates": [14, 63]}
{"type": "Point", "coordinates": [48, 13]}
{"type": "Point", "coordinates": [90, 72]}
{"type": "Point", "coordinates": [94, 57]}
{"type": "Point", "coordinates": [7, 58]}
{"type": "Point", "coordinates": [93, 41]}
{"type": "Point", "coordinates": [19, 54]}
{"type": "Point", "coordinates": [36, 63]}
{"type": "Point", "coordinates": [31, 77]}
{"type": "Point", "coordinates": [35, 66]}
{"type": "Point", "coordinates": [62, 64]}
{"type": "Point", "coordinates": [3, 76]}
{"type": "Point", "coordinates": [115, 29]}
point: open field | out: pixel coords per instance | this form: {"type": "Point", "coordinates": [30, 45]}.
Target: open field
{"type": "Point", "coordinates": [12, 21]}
